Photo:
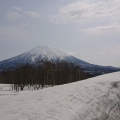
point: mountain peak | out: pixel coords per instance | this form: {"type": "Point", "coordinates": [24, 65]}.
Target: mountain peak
{"type": "Point", "coordinates": [47, 52]}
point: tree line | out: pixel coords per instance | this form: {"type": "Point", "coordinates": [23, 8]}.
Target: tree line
{"type": "Point", "coordinates": [43, 73]}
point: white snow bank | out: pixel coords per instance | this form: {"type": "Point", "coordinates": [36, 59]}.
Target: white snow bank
{"type": "Point", "coordinates": [93, 99]}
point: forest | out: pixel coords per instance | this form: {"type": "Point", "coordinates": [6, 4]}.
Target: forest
{"type": "Point", "coordinates": [43, 73]}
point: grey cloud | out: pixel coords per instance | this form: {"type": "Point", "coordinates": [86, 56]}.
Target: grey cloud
{"type": "Point", "coordinates": [89, 12]}
{"type": "Point", "coordinates": [102, 29]}
{"type": "Point", "coordinates": [33, 14]}
{"type": "Point", "coordinates": [13, 15]}
{"type": "Point", "coordinates": [17, 8]}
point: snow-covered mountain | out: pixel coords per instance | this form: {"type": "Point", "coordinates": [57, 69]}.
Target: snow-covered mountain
{"type": "Point", "coordinates": [96, 98]}
{"type": "Point", "coordinates": [50, 53]}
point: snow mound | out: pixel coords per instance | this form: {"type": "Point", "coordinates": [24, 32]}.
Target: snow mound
{"type": "Point", "coordinates": [97, 98]}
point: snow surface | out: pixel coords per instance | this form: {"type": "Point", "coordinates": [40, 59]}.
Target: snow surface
{"type": "Point", "coordinates": [45, 52]}
{"type": "Point", "coordinates": [97, 98]}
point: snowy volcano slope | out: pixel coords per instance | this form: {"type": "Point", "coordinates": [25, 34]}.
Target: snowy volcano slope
{"type": "Point", "coordinates": [40, 52]}
{"type": "Point", "coordinates": [43, 52]}
{"type": "Point", "coordinates": [93, 99]}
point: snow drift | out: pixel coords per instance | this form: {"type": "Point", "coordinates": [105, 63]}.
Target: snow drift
{"type": "Point", "coordinates": [93, 99]}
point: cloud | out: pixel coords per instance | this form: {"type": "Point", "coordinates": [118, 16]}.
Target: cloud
{"type": "Point", "coordinates": [13, 15]}
{"type": "Point", "coordinates": [90, 13]}
{"type": "Point", "coordinates": [17, 8]}
{"type": "Point", "coordinates": [33, 14]}
{"type": "Point", "coordinates": [85, 10]}
{"type": "Point", "coordinates": [17, 13]}
{"type": "Point", "coordinates": [27, 25]}
{"type": "Point", "coordinates": [102, 29]}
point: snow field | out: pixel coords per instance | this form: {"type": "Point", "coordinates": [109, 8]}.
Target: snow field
{"type": "Point", "coordinates": [97, 98]}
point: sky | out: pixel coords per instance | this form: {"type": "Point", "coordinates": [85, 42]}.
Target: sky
{"type": "Point", "coordinates": [86, 29]}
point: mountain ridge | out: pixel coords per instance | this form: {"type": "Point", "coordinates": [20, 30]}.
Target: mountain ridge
{"type": "Point", "coordinates": [50, 53]}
